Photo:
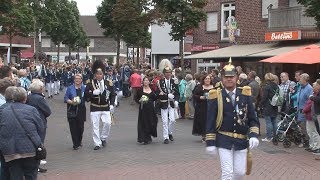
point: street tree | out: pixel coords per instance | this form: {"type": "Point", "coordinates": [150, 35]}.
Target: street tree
{"type": "Point", "coordinates": [44, 20]}
{"type": "Point", "coordinates": [312, 9]}
{"type": "Point", "coordinates": [111, 29]}
{"type": "Point", "coordinates": [16, 21]}
{"type": "Point", "coordinates": [182, 15]}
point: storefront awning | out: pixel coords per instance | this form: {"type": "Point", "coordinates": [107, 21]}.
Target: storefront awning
{"type": "Point", "coordinates": [243, 51]}
{"type": "Point", "coordinates": [233, 51]}
{"type": "Point", "coordinates": [306, 55]}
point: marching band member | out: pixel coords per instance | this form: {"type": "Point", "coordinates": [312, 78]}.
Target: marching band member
{"type": "Point", "coordinates": [169, 96]}
{"type": "Point", "coordinates": [101, 94]}
{"type": "Point", "coordinates": [231, 121]}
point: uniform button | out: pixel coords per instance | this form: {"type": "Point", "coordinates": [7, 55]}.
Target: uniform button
{"type": "Point", "coordinates": [235, 118]}
{"type": "Point", "coordinates": [234, 131]}
{"type": "Point", "coordinates": [234, 110]}
{"type": "Point", "coordinates": [234, 124]}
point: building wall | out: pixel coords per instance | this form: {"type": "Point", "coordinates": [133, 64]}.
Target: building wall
{"type": "Point", "coordinates": [249, 19]}
{"type": "Point", "coordinates": [101, 44]}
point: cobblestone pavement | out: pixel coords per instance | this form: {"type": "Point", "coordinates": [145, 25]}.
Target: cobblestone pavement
{"type": "Point", "coordinates": [183, 159]}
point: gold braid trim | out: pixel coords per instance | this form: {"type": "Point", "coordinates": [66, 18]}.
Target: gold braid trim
{"type": "Point", "coordinates": [220, 109]}
{"type": "Point", "coordinates": [211, 137]}
{"type": "Point", "coordinates": [254, 130]}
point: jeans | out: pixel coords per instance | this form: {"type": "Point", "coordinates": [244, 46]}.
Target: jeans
{"type": "Point", "coordinates": [271, 126]}
{"type": "Point", "coordinates": [25, 167]}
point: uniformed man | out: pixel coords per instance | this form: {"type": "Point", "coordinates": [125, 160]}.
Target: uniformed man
{"type": "Point", "coordinates": [231, 121]}
{"type": "Point", "coordinates": [169, 96]}
{"type": "Point", "coordinates": [101, 95]}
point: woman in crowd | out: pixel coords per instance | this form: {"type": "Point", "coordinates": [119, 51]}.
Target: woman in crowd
{"type": "Point", "coordinates": [147, 119]}
{"type": "Point", "coordinates": [270, 112]}
{"type": "Point", "coordinates": [4, 84]}
{"type": "Point", "coordinates": [310, 116]}
{"type": "Point", "coordinates": [182, 98]}
{"type": "Point", "coordinates": [200, 95]}
{"type": "Point", "coordinates": [188, 94]}
{"type": "Point", "coordinates": [37, 100]}
{"type": "Point", "coordinates": [18, 148]}
{"type": "Point", "coordinates": [74, 98]}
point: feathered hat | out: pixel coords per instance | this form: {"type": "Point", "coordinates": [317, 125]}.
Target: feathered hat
{"type": "Point", "coordinates": [165, 66]}
{"type": "Point", "coordinates": [98, 66]}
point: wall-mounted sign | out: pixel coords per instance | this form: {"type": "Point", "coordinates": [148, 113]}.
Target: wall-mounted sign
{"type": "Point", "coordinates": [196, 48]}
{"type": "Point", "coordinates": [283, 36]}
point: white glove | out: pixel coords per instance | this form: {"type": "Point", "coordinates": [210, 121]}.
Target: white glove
{"type": "Point", "coordinates": [96, 92]}
{"type": "Point", "coordinates": [170, 96]}
{"type": "Point", "coordinates": [111, 108]}
{"type": "Point", "coordinates": [176, 104]}
{"type": "Point", "coordinates": [253, 142]}
{"type": "Point", "coordinates": [211, 150]}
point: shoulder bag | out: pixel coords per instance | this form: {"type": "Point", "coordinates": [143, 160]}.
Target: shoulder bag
{"type": "Point", "coordinates": [41, 152]}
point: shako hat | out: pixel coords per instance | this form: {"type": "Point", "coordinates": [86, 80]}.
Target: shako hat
{"type": "Point", "coordinates": [98, 66]}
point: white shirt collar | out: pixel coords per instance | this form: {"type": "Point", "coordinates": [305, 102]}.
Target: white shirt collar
{"type": "Point", "coordinates": [234, 91]}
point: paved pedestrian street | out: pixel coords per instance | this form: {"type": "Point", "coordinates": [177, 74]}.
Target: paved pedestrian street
{"type": "Point", "coordinates": [183, 159]}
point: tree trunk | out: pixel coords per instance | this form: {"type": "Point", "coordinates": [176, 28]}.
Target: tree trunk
{"type": "Point", "coordinates": [78, 55]}
{"type": "Point", "coordinates": [133, 56]}
{"type": "Point", "coordinates": [36, 44]}
{"type": "Point", "coordinates": [138, 57]}
{"type": "Point", "coordinates": [118, 51]}
{"type": "Point", "coordinates": [127, 52]}
{"type": "Point", "coordinates": [69, 55]}
{"type": "Point", "coordinates": [181, 53]}
{"type": "Point", "coordinates": [58, 54]}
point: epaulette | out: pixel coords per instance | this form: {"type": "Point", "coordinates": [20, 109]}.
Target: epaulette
{"type": "Point", "coordinates": [110, 83]}
{"type": "Point", "coordinates": [219, 85]}
{"type": "Point", "coordinates": [213, 94]}
{"type": "Point", "coordinates": [88, 81]}
{"type": "Point", "coordinates": [246, 90]}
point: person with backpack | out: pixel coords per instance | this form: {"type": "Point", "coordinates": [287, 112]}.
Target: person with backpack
{"type": "Point", "coordinates": [270, 108]}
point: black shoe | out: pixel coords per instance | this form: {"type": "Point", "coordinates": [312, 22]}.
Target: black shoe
{"type": "Point", "coordinates": [145, 143]}
{"type": "Point", "coordinates": [171, 137]}
{"type": "Point", "coordinates": [96, 148]}
{"type": "Point", "coordinates": [42, 170]}
{"type": "Point", "coordinates": [104, 143]}
{"type": "Point", "coordinates": [166, 141]}
{"type": "Point", "coordinates": [76, 147]}
{"type": "Point", "coordinates": [317, 152]}
{"type": "Point", "coordinates": [308, 149]}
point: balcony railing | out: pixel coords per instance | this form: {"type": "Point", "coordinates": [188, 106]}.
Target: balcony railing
{"type": "Point", "coordinates": [288, 18]}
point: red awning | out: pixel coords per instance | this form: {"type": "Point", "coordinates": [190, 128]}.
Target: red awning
{"type": "Point", "coordinates": [306, 55]}
{"type": "Point", "coordinates": [26, 54]}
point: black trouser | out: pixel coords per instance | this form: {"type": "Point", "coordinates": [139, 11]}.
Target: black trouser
{"type": "Point", "coordinates": [76, 129]}
{"type": "Point", "coordinates": [25, 167]}
{"type": "Point", "coordinates": [182, 107]}
{"type": "Point", "coordinates": [5, 175]}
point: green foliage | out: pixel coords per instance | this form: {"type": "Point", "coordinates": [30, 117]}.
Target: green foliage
{"type": "Point", "coordinates": [17, 20]}
{"type": "Point", "coordinates": [182, 15]}
{"type": "Point", "coordinates": [312, 9]}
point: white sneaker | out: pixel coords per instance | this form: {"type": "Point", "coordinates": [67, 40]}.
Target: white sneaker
{"type": "Point", "coordinates": [266, 140]}
{"type": "Point", "coordinates": [43, 162]}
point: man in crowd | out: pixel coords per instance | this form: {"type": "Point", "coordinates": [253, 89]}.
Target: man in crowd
{"type": "Point", "coordinates": [229, 126]}
{"type": "Point", "coordinates": [169, 96]}
{"type": "Point", "coordinates": [101, 94]}
{"type": "Point", "coordinates": [284, 86]}
{"type": "Point", "coordinates": [135, 83]}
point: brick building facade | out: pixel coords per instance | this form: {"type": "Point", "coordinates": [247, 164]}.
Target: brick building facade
{"type": "Point", "coordinates": [254, 19]}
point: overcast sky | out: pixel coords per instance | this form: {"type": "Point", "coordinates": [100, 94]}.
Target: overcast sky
{"type": "Point", "coordinates": [88, 7]}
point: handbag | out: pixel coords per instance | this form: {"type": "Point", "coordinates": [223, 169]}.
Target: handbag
{"type": "Point", "coordinates": [41, 151]}
{"type": "Point", "coordinates": [72, 114]}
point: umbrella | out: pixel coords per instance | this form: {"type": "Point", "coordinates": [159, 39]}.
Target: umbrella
{"type": "Point", "coordinates": [306, 55]}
